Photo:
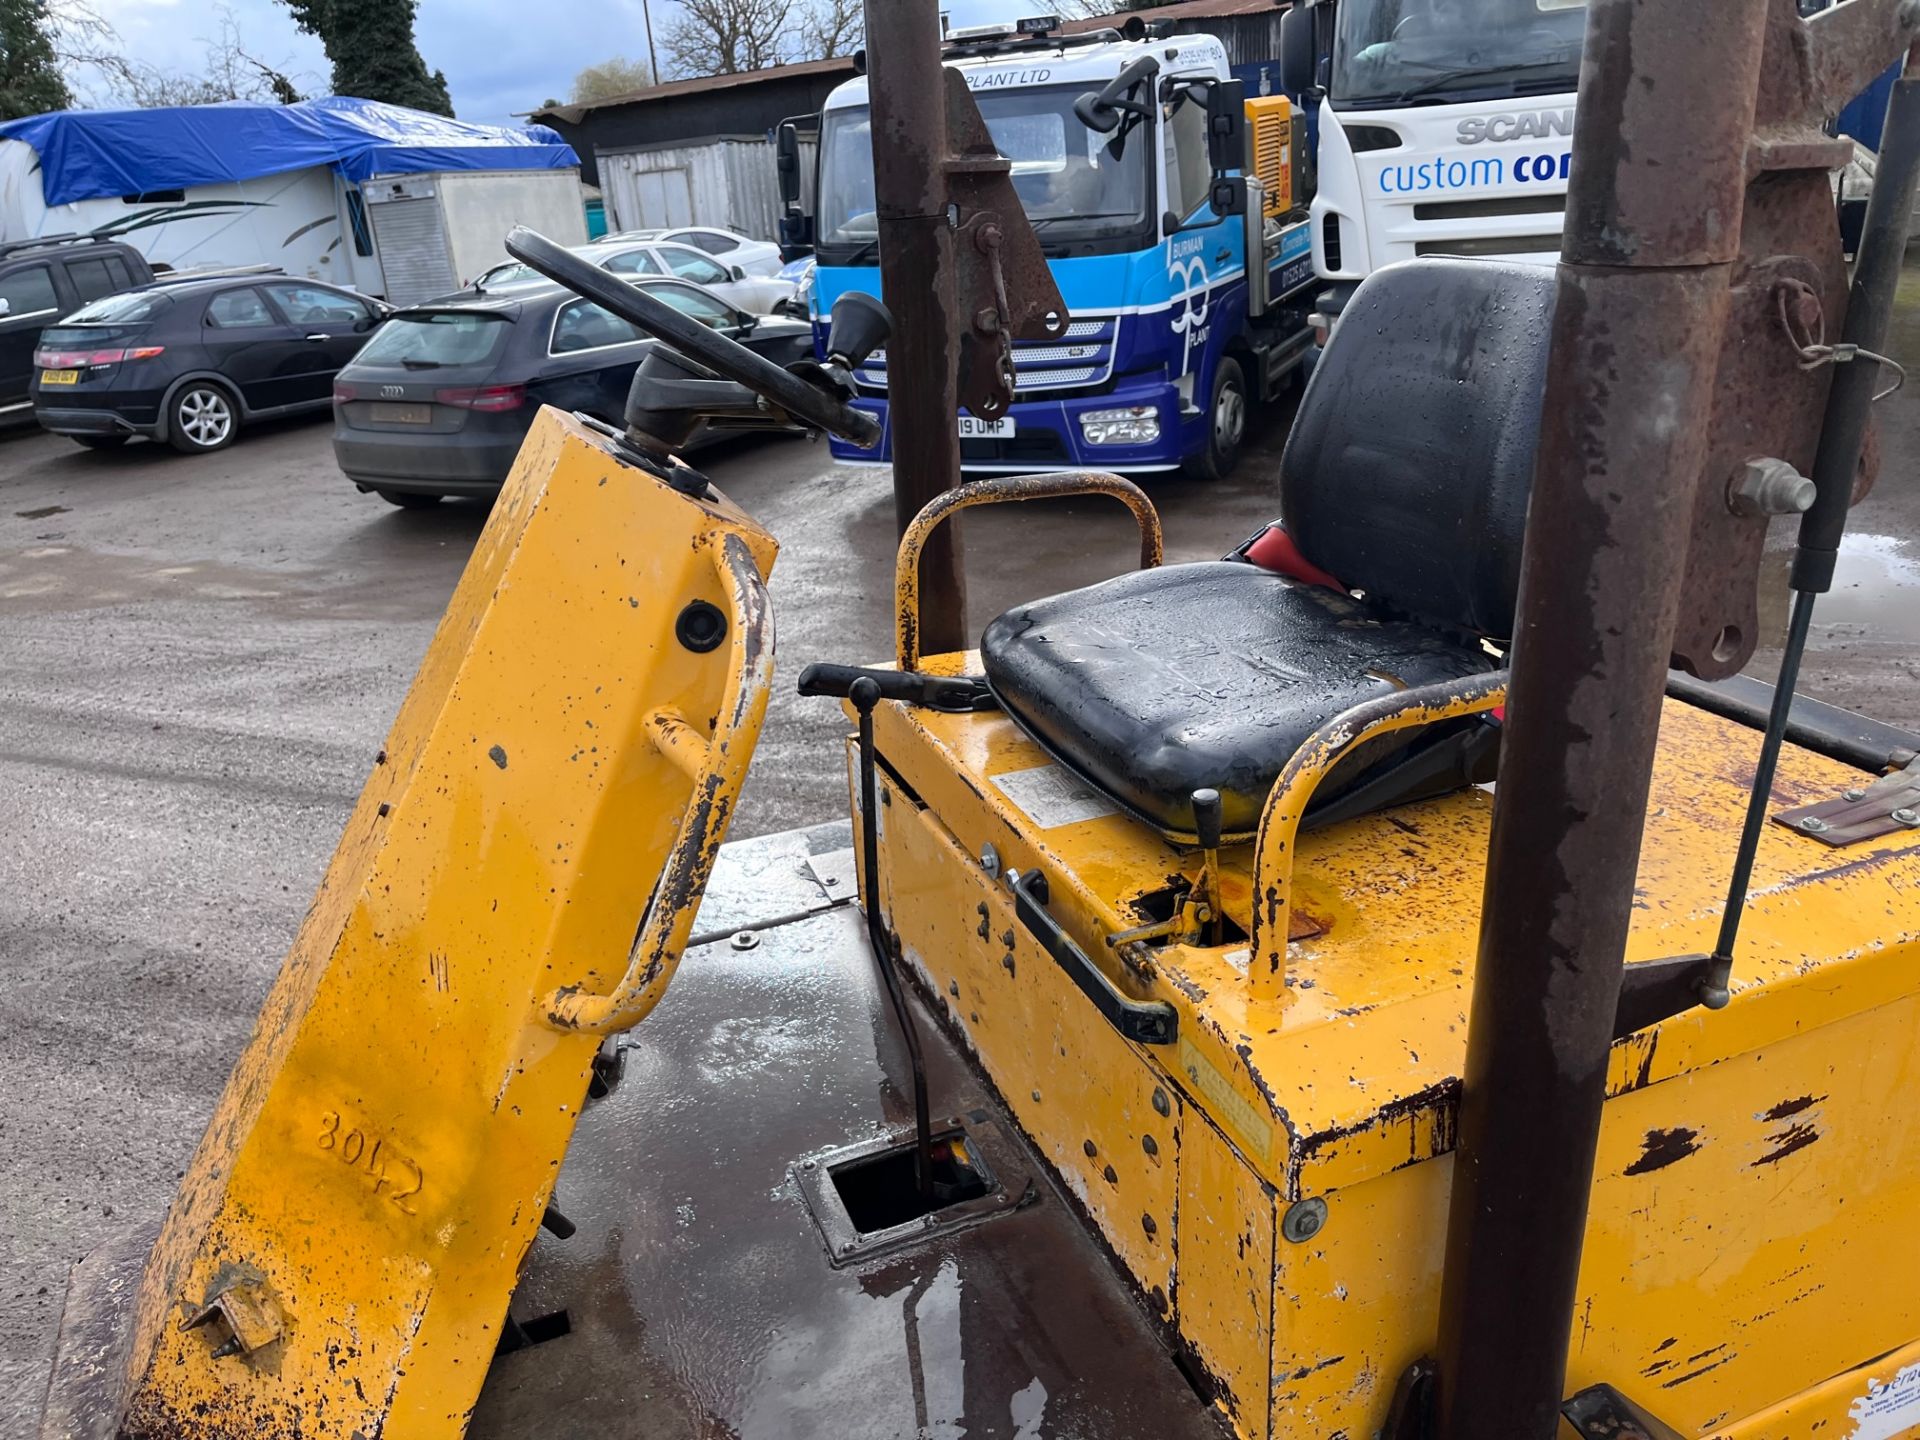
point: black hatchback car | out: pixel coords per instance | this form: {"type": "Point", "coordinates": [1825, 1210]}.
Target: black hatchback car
{"type": "Point", "coordinates": [439, 401]}
{"type": "Point", "coordinates": [193, 359]}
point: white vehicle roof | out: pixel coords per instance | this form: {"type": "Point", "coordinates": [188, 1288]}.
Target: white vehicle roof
{"type": "Point", "coordinates": [1089, 65]}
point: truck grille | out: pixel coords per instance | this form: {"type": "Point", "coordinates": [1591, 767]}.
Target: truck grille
{"type": "Point", "coordinates": [1083, 356]}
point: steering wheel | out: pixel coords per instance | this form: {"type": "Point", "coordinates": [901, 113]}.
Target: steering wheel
{"type": "Point", "coordinates": [805, 402]}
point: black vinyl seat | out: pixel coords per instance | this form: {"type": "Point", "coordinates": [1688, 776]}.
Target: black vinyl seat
{"type": "Point", "coordinates": [1406, 475]}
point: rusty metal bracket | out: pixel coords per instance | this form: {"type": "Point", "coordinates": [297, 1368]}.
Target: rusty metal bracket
{"type": "Point", "coordinates": [1888, 806]}
{"type": "Point", "coordinates": [1788, 260]}
{"type": "Point", "coordinates": [240, 1314]}
{"type": "Point", "coordinates": [1004, 288]}
{"type": "Point", "coordinates": [1601, 1412]}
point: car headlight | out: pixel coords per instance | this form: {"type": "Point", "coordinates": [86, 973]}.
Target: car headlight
{"type": "Point", "coordinates": [1135, 425]}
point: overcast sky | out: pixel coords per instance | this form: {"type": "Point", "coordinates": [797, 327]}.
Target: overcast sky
{"type": "Point", "coordinates": [500, 56]}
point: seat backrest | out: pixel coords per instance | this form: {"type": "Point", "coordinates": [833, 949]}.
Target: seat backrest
{"type": "Point", "coordinates": [1410, 460]}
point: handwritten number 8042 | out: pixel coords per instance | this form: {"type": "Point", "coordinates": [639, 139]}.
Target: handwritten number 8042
{"type": "Point", "coordinates": [393, 1175]}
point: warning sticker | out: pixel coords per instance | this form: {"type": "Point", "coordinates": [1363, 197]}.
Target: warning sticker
{"type": "Point", "coordinates": [1890, 1408]}
{"type": "Point", "coordinates": [1052, 796]}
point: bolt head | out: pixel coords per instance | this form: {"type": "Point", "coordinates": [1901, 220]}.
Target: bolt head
{"type": "Point", "coordinates": [1812, 824]}
{"type": "Point", "coordinates": [1907, 815]}
{"type": "Point", "coordinates": [1304, 1220]}
{"type": "Point", "coordinates": [1769, 486]}
{"type": "Point", "coordinates": [1856, 794]}
{"type": "Point", "coordinates": [990, 860]}
{"type": "Point", "coordinates": [744, 940]}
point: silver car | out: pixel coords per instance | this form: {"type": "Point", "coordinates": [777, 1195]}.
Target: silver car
{"type": "Point", "coordinates": [756, 294]}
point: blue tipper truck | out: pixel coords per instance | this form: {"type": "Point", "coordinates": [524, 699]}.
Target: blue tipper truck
{"type": "Point", "coordinates": [1173, 337]}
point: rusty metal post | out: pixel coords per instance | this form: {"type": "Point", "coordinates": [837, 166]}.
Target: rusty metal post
{"type": "Point", "coordinates": [907, 92]}
{"type": "Point", "coordinates": [1653, 226]}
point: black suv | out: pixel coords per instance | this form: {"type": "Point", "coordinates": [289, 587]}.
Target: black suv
{"type": "Point", "coordinates": [41, 280]}
{"type": "Point", "coordinates": [189, 359]}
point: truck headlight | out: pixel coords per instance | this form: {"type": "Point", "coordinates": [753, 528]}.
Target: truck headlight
{"type": "Point", "coordinates": [1135, 425]}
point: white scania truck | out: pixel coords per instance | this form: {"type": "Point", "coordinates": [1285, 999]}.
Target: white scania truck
{"type": "Point", "coordinates": [1444, 128]}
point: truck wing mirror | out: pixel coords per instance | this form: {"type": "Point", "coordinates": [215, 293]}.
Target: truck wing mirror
{"type": "Point", "coordinates": [1227, 125]}
{"type": "Point", "coordinates": [1297, 56]}
{"type": "Point", "coordinates": [1100, 110]}
{"type": "Point", "coordinates": [787, 162]}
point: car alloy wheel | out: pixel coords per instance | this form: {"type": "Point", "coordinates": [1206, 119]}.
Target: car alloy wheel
{"type": "Point", "coordinates": [203, 418]}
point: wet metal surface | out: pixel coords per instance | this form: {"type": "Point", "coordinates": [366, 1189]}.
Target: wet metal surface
{"type": "Point", "coordinates": [699, 1295]}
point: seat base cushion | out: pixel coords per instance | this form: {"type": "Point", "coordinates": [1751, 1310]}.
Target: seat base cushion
{"type": "Point", "coordinates": [1159, 683]}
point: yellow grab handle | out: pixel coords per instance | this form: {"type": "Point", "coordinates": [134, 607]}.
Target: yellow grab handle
{"type": "Point", "coordinates": [1000, 490]}
{"type": "Point", "coordinates": [1287, 802]}
{"type": "Point", "coordinates": [717, 767]}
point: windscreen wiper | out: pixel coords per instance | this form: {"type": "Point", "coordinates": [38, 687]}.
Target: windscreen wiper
{"type": "Point", "coordinates": [1038, 221]}
{"type": "Point", "coordinates": [864, 251]}
{"type": "Point", "coordinates": [1503, 74]}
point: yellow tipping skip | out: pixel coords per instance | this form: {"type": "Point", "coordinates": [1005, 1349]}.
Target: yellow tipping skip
{"type": "Point", "coordinates": [339, 1258]}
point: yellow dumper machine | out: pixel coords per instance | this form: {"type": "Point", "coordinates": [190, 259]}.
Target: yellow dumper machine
{"type": "Point", "coordinates": [1186, 1037]}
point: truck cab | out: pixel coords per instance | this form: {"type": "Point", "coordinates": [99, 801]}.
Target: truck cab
{"type": "Point", "coordinates": [1445, 128]}
{"type": "Point", "coordinates": [1168, 345]}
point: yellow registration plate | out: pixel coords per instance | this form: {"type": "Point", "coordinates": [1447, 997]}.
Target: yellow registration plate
{"type": "Point", "coordinates": [59, 377]}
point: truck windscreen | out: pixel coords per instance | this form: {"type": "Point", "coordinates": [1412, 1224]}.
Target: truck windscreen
{"type": "Point", "coordinates": [1399, 52]}
{"type": "Point", "coordinates": [1084, 192]}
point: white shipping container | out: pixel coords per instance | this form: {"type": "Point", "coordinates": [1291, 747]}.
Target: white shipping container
{"type": "Point", "coordinates": [437, 231]}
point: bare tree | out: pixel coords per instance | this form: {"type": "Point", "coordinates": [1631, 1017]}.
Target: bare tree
{"type": "Point", "coordinates": [85, 41]}
{"type": "Point", "coordinates": [832, 27]}
{"type": "Point", "coordinates": [618, 76]}
{"type": "Point", "coordinates": [726, 37]}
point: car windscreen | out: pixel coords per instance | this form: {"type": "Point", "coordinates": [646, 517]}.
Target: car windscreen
{"type": "Point", "coordinates": [129, 309]}
{"type": "Point", "coordinates": [435, 339]}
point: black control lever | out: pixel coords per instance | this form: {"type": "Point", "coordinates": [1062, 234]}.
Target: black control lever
{"type": "Point", "coordinates": [953, 693]}
{"type": "Point", "coordinates": [865, 694]}
{"type": "Point", "coordinates": [804, 401]}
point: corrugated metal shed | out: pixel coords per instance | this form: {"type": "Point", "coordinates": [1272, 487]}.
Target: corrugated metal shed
{"type": "Point", "coordinates": [730, 181]}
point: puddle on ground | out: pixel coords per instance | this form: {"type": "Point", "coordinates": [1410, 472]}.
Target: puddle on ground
{"type": "Point", "coordinates": [1875, 595]}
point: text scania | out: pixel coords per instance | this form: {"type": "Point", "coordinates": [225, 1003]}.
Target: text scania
{"type": "Point", "coordinates": [1446, 174]}
{"type": "Point", "coordinates": [1527, 125]}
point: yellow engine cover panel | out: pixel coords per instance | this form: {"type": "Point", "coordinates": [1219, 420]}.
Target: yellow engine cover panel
{"type": "Point", "coordinates": [1750, 1269]}
{"type": "Point", "coordinates": [378, 1165]}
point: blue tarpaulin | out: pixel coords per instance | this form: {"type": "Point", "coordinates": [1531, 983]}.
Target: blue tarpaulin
{"type": "Point", "coordinates": [90, 154]}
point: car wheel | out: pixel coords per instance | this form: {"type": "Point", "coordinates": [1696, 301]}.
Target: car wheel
{"type": "Point", "coordinates": [409, 499]}
{"type": "Point", "coordinates": [1226, 424]}
{"type": "Point", "coordinates": [100, 442]}
{"type": "Point", "coordinates": [203, 417]}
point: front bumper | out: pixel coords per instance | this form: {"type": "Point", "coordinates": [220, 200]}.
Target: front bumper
{"type": "Point", "coordinates": [1047, 434]}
